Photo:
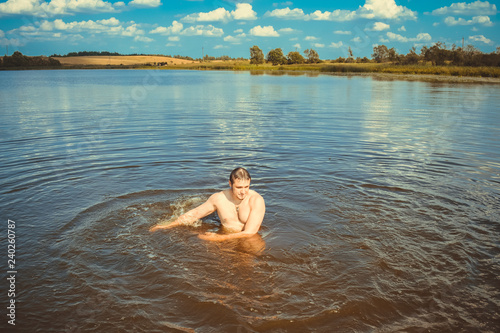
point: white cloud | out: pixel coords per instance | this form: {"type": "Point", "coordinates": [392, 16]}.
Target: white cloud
{"type": "Point", "coordinates": [174, 39]}
{"type": "Point", "coordinates": [402, 28]}
{"type": "Point", "coordinates": [336, 45]}
{"type": "Point", "coordinates": [318, 45]}
{"type": "Point", "coordinates": [219, 14]}
{"type": "Point", "coordinates": [422, 37]}
{"type": "Point", "coordinates": [372, 9]}
{"type": "Point", "coordinates": [143, 39]}
{"type": "Point", "coordinates": [145, 3]}
{"type": "Point", "coordinates": [340, 32]}
{"type": "Point", "coordinates": [238, 31]}
{"type": "Point", "coordinates": [287, 30]}
{"type": "Point", "coordinates": [311, 38]}
{"type": "Point", "coordinates": [233, 40]}
{"type": "Point", "coordinates": [297, 46]}
{"type": "Point", "coordinates": [217, 47]}
{"type": "Point", "coordinates": [385, 9]}
{"type": "Point", "coordinates": [356, 40]}
{"type": "Point", "coordinates": [267, 31]}
{"type": "Point", "coordinates": [483, 20]}
{"type": "Point", "coordinates": [336, 15]}
{"type": "Point", "coordinates": [378, 26]}
{"type": "Point", "coordinates": [71, 31]}
{"type": "Point", "coordinates": [202, 30]}
{"type": "Point", "coordinates": [287, 13]}
{"type": "Point", "coordinates": [132, 30]}
{"type": "Point", "coordinates": [480, 38]}
{"type": "Point", "coordinates": [462, 8]}
{"type": "Point", "coordinates": [243, 11]}
{"type": "Point", "coordinates": [175, 28]}
{"type": "Point", "coordinates": [40, 8]}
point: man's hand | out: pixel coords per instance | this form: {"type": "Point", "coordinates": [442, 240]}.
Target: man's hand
{"type": "Point", "coordinates": [161, 226]}
{"type": "Point", "coordinates": [209, 236]}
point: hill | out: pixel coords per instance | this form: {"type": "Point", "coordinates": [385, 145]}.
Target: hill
{"type": "Point", "coordinates": [121, 60]}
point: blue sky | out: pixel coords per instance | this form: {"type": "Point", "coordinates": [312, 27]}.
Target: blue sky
{"type": "Point", "coordinates": [45, 27]}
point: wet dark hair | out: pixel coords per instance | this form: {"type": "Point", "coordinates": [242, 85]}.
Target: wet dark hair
{"type": "Point", "coordinates": [239, 173]}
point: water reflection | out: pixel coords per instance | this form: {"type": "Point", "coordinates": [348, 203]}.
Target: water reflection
{"type": "Point", "coordinates": [381, 198]}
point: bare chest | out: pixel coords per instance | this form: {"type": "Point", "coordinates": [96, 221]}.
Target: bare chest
{"type": "Point", "coordinates": [229, 213]}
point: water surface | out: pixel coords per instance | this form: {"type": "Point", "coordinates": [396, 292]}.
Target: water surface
{"type": "Point", "coordinates": [382, 202]}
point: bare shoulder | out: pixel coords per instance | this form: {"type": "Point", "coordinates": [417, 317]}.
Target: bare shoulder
{"type": "Point", "coordinates": [217, 197]}
{"type": "Point", "coordinates": [256, 198]}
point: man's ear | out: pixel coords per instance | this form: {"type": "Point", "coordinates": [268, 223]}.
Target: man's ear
{"type": "Point", "coordinates": [230, 185]}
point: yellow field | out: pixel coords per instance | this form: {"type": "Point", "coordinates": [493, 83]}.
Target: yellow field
{"type": "Point", "coordinates": [120, 60]}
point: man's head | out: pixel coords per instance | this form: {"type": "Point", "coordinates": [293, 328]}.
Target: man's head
{"type": "Point", "coordinates": [239, 173]}
{"type": "Point", "coordinates": [239, 180]}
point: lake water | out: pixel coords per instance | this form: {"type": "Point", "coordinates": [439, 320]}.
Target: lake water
{"type": "Point", "coordinates": [382, 202]}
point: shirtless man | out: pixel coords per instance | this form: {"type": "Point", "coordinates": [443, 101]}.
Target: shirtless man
{"type": "Point", "coordinates": [240, 209]}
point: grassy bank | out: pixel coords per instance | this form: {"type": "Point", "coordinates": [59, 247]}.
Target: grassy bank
{"type": "Point", "coordinates": [487, 72]}
{"type": "Point", "coordinates": [493, 72]}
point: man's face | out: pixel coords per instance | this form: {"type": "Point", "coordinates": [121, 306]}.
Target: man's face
{"type": "Point", "coordinates": [240, 188]}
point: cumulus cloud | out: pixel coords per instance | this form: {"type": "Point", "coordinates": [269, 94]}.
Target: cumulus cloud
{"type": "Point", "coordinates": [480, 38]}
{"type": "Point", "coordinates": [202, 30]}
{"type": "Point", "coordinates": [372, 9]}
{"type": "Point", "coordinates": [462, 8]}
{"type": "Point", "coordinates": [233, 40]}
{"type": "Point", "coordinates": [422, 37]}
{"type": "Point", "coordinates": [336, 45]}
{"type": "Point", "coordinates": [175, 28]}
{"type": "Point", "coordinates": [71, 31]}
{"type": "Point", "coordinates": [311, 38]}
{"type": "Point", "coordinates": [318, 45]}
{"type": "Point", "coordinates": [385, 9]}
{"type": "Point", "coordinates": [287, 30]}
{"type": "Point", "coordinates": [267, 31]}
{"type": "Point", "coordinates": [483, 20]}
{"type": "Point", "coordinates": [340, 32]}
{"type": "Point", "coordinates": [145, 3]}
{"type": "Point", "coordinates": [378, 26]}
{"type": "Point", "coordinates": [41, 8]}
{"type": "Point", "coordinates": [143, 39]}
{"type": "Point", "coordinates": [287, 13]}
{"type": "Point", "coordinates": [243, 11]}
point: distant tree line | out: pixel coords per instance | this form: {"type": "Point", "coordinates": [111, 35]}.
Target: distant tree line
{"type": "Point", "coordinates": [87, 54]}
{"type": "Point", "coordinates": [276, 57]}
{"type": "Point", "coordinates": [223, 58]}
{"type": "Point", "coordinates": [438, 55]}
{"type": "Point", "coordinates": [19, 60]}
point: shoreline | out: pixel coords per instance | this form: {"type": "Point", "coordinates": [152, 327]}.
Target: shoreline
{"type": "Point", "coordinates": [281, 70]}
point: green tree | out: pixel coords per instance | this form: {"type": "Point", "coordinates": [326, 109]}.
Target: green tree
{"type": "Point", "coordinates": [256, 55]}
{"type": "Point", "coordinates": [392, 54]}
{"type": "Point", "coordinates": [295, 58]}
{"type": "Point", "coordinates": [380, 53]}
{"type": "Point", "coordinates": [412, 58]}
{"type": "Point", "coordinates": [276, 57]}
{"type": "Point", "coordinates": [437, 54]}
{"type": "Point", "coordinates": [312, 56]}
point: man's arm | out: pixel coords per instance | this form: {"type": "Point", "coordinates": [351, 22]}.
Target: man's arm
{"type": "Point", "coordinates": [251, 227]}
{"type": "Point", "coordinates": [207, 208]}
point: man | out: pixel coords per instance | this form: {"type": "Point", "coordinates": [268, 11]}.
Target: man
{"type": "Point", "coordinates": [240, 209]}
